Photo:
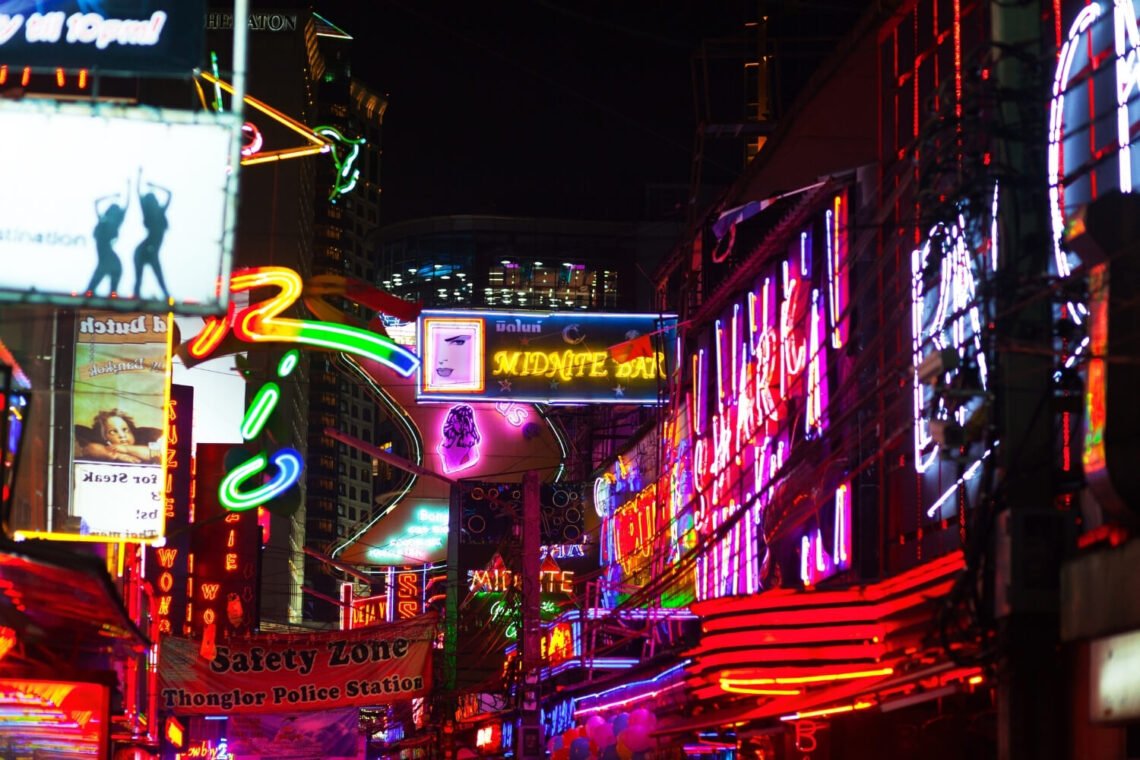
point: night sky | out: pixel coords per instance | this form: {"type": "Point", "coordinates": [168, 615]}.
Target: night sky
{"type": "Point", "coordinates": [561, 108]}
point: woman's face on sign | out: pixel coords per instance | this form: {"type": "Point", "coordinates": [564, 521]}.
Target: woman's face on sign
{"type": "Point", "coordinates": [453, 358]}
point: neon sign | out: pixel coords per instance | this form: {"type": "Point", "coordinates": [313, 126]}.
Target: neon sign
{"type": "Point", "coordinates": [499, 579]}
{"type": "Point", "coordinates": [542, 357]}
{"type": "Point", "coordinates": [346, 173]}
{"type": "Point", "coordinates": [453, 354]}
{"type": "Point", "coordinates": [566, 365]}
{"type": "Point", "coordinates": [768, 358]}
{"type": "Point", "coordinates": [287, 462]}
{"type": "Point", "coordinates": [515, 414]}
{"type": "Point", "coordinates": [261, 323]}
{"type": "Point", "coordinates": [369, 611]}
{"type": "Point", "coordinates": [817, 562]}
{"type": "Point", "coordinates": [420, 537]}
{"type": "Point", "coordinates": [1080, 145]}
{"type": "Point", "coordinates": [459, 448]}
{"type": "Point", "coordinates": [408, 595]}
{"type": "Point", "coordinates": [944, 318]}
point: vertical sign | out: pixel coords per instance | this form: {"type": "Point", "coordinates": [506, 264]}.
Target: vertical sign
{"type": "Point", "coordinates": [225, 546]}
{"type": "Point", "coordinates": [118, 407]}
{"type": "Point", "coordinates": [166, 565]}
{"type": "Point", "coordinates": [409, 594]}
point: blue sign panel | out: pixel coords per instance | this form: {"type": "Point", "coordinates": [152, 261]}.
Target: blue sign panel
{"type": "Point", "coordinates": [117, 36]}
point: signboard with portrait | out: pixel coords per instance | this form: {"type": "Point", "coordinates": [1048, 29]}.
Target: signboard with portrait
{"type": "Point", "coordinates": [119, 410]}
{"type": "Point", "coordinates": [542, 357]}
{"type": "Point", "coordinates": [121, 36]}
{"type": "Point", "coordinates": [115, 208]}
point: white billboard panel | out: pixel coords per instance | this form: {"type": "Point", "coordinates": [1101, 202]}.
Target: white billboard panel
{"type": "Point", "coordinates": [114, 207]}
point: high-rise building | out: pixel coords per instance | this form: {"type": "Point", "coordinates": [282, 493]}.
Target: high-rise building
{"type": "Point", "coordinates": [504, 262]}
{"type": "Point", "coordinates": [347, 209]}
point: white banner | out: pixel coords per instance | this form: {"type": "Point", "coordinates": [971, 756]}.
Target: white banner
{"type": "Point", "coordinates": [108, 202]}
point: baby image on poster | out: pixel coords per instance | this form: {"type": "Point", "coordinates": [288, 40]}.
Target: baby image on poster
{"type": "Point", "coordinates": [119, 417]}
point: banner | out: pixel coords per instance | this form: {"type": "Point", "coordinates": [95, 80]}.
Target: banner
{"type": "Point", "coordinates": [280, 674]}
{"type": "Point", "coordinates": [119, 409]}
{"type": "Point", "coordinates": [325, 735]}
{"type": "Point", "coordinates": [122, 36]}
{"type": "Point", "coordinates": [113, 207]}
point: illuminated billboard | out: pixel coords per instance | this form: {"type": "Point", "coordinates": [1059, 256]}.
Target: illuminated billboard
{"type": "Point", "coordinates": [543, 357]}
{"type": "Point", "coordinates": [114, 36]}
{"type": "Point", "coordinates": [114, 207]}
{"type": "Point", "coordinates": [119, 413]}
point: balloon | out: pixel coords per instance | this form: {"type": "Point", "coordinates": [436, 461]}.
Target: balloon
{"type": "Point", "coordinates": [604, 736]}
{"type": "Point", "coordinates": [623, 752]}
{"type": "Point", "coordinates": [557, 742]}
{"type": "Point", "coordinates": [637, 738]}
{"type": "Point", "coordinates": [620, 723]}
{"type": "Point", "coordinates": [593, 724]}
{"type": "Point", "coordinates": [643, 717]}
{"type": "Point", "coordinates": [562, 753]}
{"type": "Point", "coordinates": [640, 755]}
{"type": "Point", "coordinates": [580, 749]}
{"type": "Point", "coordinates": [609, 752]}
{"type": "Point", "coordinates": [568, 736]}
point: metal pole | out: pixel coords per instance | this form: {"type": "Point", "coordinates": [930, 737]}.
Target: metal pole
{"type": "Point", "coordinates": [1031, 714]}
{"type": "Point", "coordinates": [530, 736]}
{"type": "Point", "coordinates": [241, 35]}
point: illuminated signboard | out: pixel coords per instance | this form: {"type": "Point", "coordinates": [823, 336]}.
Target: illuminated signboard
{"type": "Point", "coordinates": [554, 358]}
{"type": "Point", "coordinates": [167, 565]}
{"type": "Point", "coordinates": [118, 448]}
{"type": "Point", "coordinates": [1099, 54]}
{"type": "Point", "coordinates": [122, 36]}
{"type": "Point", "coordinates": [1093, 119]}
{"type": "Point", "coordinates": [369, 611]}
{"type": "Point", "coordinates": [74, 713]}
{"type": "Point", "coordinates": [760, 379]}
{"type": "Point", "coordinates": [419, 538]}
{"type": "Point", "coordinates": [225, 547]}
{"type": "Point", "coordinates": [947, 319]}
{"type": "Point", "coordinates": [261, 323]}
{"type": "Point", "coordinates": [110, 206]}
{"type": "Point", "coordinates": [409, 594]}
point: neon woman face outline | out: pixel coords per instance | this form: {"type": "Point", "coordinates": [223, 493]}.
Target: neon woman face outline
{"type": "Point", "coordinates": [459, 448]}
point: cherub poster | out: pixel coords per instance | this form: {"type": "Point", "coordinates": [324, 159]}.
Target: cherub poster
{"type": "Point", "coordinates": [120, 393]}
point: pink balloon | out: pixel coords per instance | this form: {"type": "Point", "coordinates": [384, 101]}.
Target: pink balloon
{"type": "Point", "coordinates": [604, 736]}
{"type": "Point", "coordinates": [641, 717]}
{"type": "Point", "coordinates": [593, 725]}
{"type": "Point", "coordinates": [637, 738]}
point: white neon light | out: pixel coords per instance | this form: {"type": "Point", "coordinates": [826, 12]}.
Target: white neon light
{"type": "Point", "coordinates": [1056, 110]}
{"type": "Point", "coordinates": [967, 475]}
{"type": "Point", "coordinates": [954, 324]}
{"type": "Point", "coordinates": [1127, 78]}
{"type": "Point", "coordinates": [815, 390]}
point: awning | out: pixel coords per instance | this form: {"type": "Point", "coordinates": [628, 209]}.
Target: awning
{"type": "Point", "coordinates": [64, 609]}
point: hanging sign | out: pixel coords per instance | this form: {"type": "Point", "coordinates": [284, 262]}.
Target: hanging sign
{"type": "Point", "coordinates": [273, 674]}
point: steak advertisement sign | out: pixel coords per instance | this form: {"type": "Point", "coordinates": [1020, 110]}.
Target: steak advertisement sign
{"type": "Point", "coordinates": [376, 665]}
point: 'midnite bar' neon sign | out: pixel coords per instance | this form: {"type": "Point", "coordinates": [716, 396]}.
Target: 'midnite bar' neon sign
{"type": "Point", "coordinates": [569, 364]}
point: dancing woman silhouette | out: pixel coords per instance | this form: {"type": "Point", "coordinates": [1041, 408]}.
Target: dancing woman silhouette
{"type": "Point", "coordinates": [110, 216]}
{"type": "Point", "coordinates": [154, 219]}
